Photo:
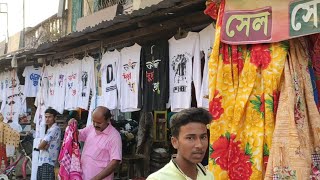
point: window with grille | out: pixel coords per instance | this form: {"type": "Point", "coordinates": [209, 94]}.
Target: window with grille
{"type": "Point", "coordinates": [101, 4]}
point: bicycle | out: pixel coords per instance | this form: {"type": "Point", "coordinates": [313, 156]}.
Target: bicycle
{"type": "Point", "coordinates": [10, 171]}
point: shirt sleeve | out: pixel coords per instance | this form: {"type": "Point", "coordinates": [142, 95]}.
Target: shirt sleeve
{"type": "Point", "coordinates": [51, 135]}
{"type": "Point", "coordinates": [25, 71]}
{"type": "Point", "coordinates": [83, 133]}
{"type": "Point", "coordinates": [152, 178]}
{"type": "Point", "coordinates": [119, 68]}
{"type": "Point", "coordinates": [197, 68]}
{"type": "Point", "coordinates": [116, 148]}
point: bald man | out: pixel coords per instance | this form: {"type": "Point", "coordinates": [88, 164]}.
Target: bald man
{"type": "Point", "coordinates": [102, 151]}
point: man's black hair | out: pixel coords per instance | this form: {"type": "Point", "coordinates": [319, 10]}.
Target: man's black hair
{"type": "Point", "coordinates": [186, 116]}
{"type": "Point", "coordinates": [51, 111]}
{"type": "Point", "coordinates": [107, 114]}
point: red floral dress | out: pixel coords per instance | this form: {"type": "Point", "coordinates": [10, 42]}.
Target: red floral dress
{"type": "Point", "coordinates": [243, 85]}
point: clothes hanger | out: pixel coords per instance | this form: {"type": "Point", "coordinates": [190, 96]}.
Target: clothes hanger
{"type": "Point", "coordinates": [86, 54]}
{"type": "Point", "coordinates": [181, 34]}
{"type": "Point", "coordinates": [51, 63]}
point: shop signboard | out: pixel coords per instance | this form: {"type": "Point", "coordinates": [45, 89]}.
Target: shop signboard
{"type": "Point", "coordinates": [260, 21]}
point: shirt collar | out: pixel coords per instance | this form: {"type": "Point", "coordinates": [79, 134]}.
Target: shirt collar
{"type": "Point", "coordinates": [107, 130]}
{"type": "Point", "coordinates": [53, 125]}
{"type": "Point", "coordinates": [200, 169]}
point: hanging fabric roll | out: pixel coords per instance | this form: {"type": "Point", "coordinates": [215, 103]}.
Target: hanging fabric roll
{"type": "Point", "coordinates": [69, 157]}
{"type": "Point", "coordinates": [296, 137]}
{"type": "Point", "coordinates": [314, 48]}
{"type": "Point", "coordinates": [3, 154]}
{"type": "Point", "coordinates": [243, 87]}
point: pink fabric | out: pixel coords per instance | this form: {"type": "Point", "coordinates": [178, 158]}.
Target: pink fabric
{"type": "Point", "coordinates": [69, 157]}
{"type": "Point", "coordinates": [99, 150]}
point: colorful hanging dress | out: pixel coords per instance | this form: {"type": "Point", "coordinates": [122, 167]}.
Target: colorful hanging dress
{"type": "Point", "coordinates": [243, 84]}
{"type": "Point", "coordinates": [69, 157]}
{"type": "Point", "coordinates": [295, 152]}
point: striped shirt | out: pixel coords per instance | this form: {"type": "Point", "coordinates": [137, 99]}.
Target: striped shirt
{"type": "Point", "coordinates": [99, 150]}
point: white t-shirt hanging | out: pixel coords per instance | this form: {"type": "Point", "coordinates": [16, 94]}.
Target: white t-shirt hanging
{"type": "Point", "coordinates": [72, 86]}
{"type": "Point", "coordinates": [40, 103]}
{"type": "Point", "coordinates": [86, 82]}
{"type": "Point", "coordinates": [59, 88]}
{"type": "Point", "coordinates": [109, 67]}
{"type": "Point", "coordinates": [95, 102]}
{"type": "Point", "coordinates": [207, 36]}
{"type": "Point", "coordinates": [129, 78]}
{"type": "Point", "coordinates": [7, 79]}
{"type": "Point", "coordinates": [50, 74]}
{"type": "Point", "coordinates": [185, 67]}
{"type": "Point", "coordinates": [32, 78]}
{"type": "Point", "coordinates": [3, 83]}
{"type": "Point", "coordinates": [14, 103]}
{"type": "Point", "coordinates": [12, 79]}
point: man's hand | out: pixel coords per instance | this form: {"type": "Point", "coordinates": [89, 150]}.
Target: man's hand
{"type": "Point", "coordinates": [43, 145]}
{"type": "Point", "coordinates": [47, 146]}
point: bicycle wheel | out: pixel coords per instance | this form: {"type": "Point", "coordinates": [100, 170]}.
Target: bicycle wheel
{"type": "Point", "coordinates": [3, 177]}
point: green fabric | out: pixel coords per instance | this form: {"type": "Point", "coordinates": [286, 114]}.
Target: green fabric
{"type": "Point", "coordinates": [76, 13]}
{"type": "Point", "coordinates": [96, 3]}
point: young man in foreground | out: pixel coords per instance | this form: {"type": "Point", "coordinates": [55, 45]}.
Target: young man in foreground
{"type": "Point", "coordinates": [190, 138]}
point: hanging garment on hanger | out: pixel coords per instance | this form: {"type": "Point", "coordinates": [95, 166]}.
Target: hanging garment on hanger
{"type": "Point", "coordinates": [69, 157]}
{"type": "Point", "coordinates": [50, 75]}
{"type": "Point", "coordinates": [185, 69]}
{"type": "Point", "coordinates": [4, 83]}
{"type": "Point", "coordinates": [41, 104]}
{"type": "Point", "coordinates": [295, 147]}
{"type": "Point", "coordinates": [35, 159]}
{"type": "Point", "coordinates": [129, 74]}
{"type": "Point", "coordinates": [73, 84]}
{"type": "Point", "coordinates": [3, 154]}
{"type": "Point", "coordinates": [96, 100]}
{"type": "Point", "coordinates": [87, 83]}
{"type": "Point", "coordinates": [109, 76]}
{"type": "Point", "coordinates": [14, 101]}
{"type": "Point", "coordinates": [11, 136]}
{"type": "Point", "coordinates": [32, 78]}
{"type": "Point", "coordinates": [154, 77]}
{"type": "Point", "coordinates": [207, 36]}
{"type": "Point", "coordinates": [59, 88]}
{"type": "Point", "coordinates": [3, 157]}
{"type": "Point", "coordinates": [181, 33]}
{"type": "Point", "coordinates": [314, 48]}
{"type": "Point", "coordinates": [244, 83]}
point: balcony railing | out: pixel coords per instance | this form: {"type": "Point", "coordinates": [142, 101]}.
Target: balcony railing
{"type": "Point", "coordinates": [51, 29]}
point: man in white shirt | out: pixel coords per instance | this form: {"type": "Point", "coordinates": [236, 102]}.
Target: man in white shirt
{"type": "Point", "coordinates": [49, 147]}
